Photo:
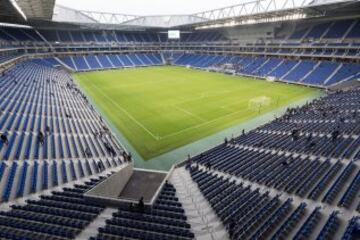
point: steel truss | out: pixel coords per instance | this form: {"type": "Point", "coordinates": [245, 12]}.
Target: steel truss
{"type": "Point", "coordinates": [247, 12]}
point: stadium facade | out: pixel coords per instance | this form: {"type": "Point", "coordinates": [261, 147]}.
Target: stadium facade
{"type": "Point", "coordinates": [296, 177]}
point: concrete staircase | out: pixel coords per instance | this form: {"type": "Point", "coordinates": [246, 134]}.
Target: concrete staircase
{"type": "Point", "coordinates": [290, 70]}
{"type": "Point", "coordinates": [331, 75]}
{"type": "Point", "coordinates": [100, 221]}
{"type": "Point", "coordinates": [310, 72]}
{"type": "Point", "coordinates": [204, 222]}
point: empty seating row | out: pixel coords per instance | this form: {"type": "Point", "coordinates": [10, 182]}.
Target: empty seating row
{"type": "Point", "coordinates": [162, 221]}
{"type": "Point", "coordinates": [301, 71]}
{"type": "Point", "coordinates": [289, 155]}
{"type": "Point", "coordinates": [60, 216]}
{"type": "Point", "coordinates": [22, 178]}
{"type": "Point", "coordinates": [98, 62]}
{"type": "Point", "coordinates": [45, 116]}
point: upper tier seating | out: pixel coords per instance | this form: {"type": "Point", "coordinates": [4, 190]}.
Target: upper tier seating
{"type": "Point", "coordinates": [19, 34]}
{"type": "Point", "coordinates": [106, 36]}
{"type": "Point", "coordinates": [306, 72]}
{"type": "Point", "coordinates": [355, 31]}
{"type": "Point", "coordinates": [327, 30]}
{"type": "Point", "coordinates": [7, 57]}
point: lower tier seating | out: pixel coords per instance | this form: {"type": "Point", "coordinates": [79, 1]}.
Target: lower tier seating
{"type": "Point", "coordinates": [165, 220]}
{"type": "Point", "coordinates": [62, 215]}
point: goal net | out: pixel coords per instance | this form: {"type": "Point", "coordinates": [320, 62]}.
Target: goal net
{"type": "Point", "coordinates": [256, 104]}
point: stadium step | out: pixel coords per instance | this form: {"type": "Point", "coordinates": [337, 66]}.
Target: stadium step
{"type": "Point", "coordinates": [261, 65]}
{"type": "Point", "coordinates": [204, 222]}
{"type": "Point", "coordinates": [335, 72]}
{"type": "Point", "coordinates": [274, 68]}
{"type": "Point", "coordinates": [92, 229]}
{"type": "Point", "coordinates": [306, 33]}
{"type": "Point", "coordinates": [283, 195]}
{"type": "Point", "coordinates": [310, 72]}
{"type": "Point", "coordinates": [327, 30]}
{"type": "Point", "coordinates": [86, 62]}
{"type": "Point", "coordinates": [162, 58]}
{"type": "Point", "coordinates": [98, 61]}
{"type": "Point", "coordinates": [112, 64]}
{"type": "Point", "coordinates": [63, 64]}
{"type": "Point", "coordinates": [42, 37]}
{"type": "Point", "coordinates": [350, 28]}
{"type": "Point", "coordinates": [73, 62]}
{"type": "Point", "coordinates": [283, 77]}
{"type": "Point", "coordinates": [326, 209]}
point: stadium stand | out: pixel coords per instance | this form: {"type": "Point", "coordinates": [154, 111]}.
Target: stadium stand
{"type": "Point", "coordinates": [166, 220]}
{"type": "Point", "coordinates": [305, 165]}
{"type": "Point", "coordinates": [304, 71]}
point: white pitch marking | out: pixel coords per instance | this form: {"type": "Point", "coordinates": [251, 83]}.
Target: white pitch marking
{"type": "Point", "coordinates": [127, 113]}
{"type": "Point", "coordinates": [199, 125]}
{"type": "Point", "coordinates": [190, 113]}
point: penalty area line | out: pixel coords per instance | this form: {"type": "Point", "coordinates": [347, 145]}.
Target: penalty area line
{"type": "Point", "coordinates": [201, 124]}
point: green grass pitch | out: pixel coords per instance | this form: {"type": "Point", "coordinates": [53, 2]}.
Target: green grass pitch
{"type": "Point", "coordinates": [161, 108]}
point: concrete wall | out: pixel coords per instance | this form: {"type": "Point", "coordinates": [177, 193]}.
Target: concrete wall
{"type": "Point", "coordinates": [346, 85]}
{"type": "Point", "coordinates": [112, 187]}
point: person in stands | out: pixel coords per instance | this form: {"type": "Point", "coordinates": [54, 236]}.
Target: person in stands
{"type": "Point", "coordinates": [41, 137]}
{"type": "Point", "coordinates": [208, 165]}
{"type": "Point", "coordinates": [335, 135]}
{"type": "Point", "coordinates": [88, 152]}
{"type": "Point", "coordinates": [100, 166]}
{"type": "Point", "coordinates": [141, 205]}
{"type": "Point", "coordinates": [4, 138]}
{"type": "Point", "coordinates": [47, 130]}
{"type": "Point", "coordinates": [131, 207]}
{"type": "Point", "coordinates": [231, 227]}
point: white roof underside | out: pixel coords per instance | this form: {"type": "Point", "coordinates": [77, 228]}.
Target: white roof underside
{"type": "Point", "coordinates": [65, 14]}
{"type": "Point", "coordinates": [165, 21]}
{"type": "Point", "coordinates": [246, 9]}
{"type": "Point", "coordinates": [47, 10]}
{"type": "Point", "coordinates": [37, 9]}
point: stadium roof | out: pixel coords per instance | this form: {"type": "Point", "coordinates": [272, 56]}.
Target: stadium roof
{"type": "Point", "coordinates": [46, 13]}
{"type": "Point", "coordinates": [65, 14]}
{"type": "Point", "coordinates": [19, 11]}
{"type": "Point", "coordinates": [8, 13]}
{"type": "Point", "coordinates": [37, 9]}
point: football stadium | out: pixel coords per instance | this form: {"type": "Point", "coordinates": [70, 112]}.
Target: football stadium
{"type": "Point", "coordinates": [233, 122]}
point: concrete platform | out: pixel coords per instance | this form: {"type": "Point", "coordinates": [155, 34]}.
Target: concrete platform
{"type": "Point", "coordinates": [142, 184]}
{"type": "Point", "coordinates": [127, 186]}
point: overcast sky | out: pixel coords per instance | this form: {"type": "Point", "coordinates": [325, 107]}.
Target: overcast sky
{"type": "Point", "coordinates": [148, 7]}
